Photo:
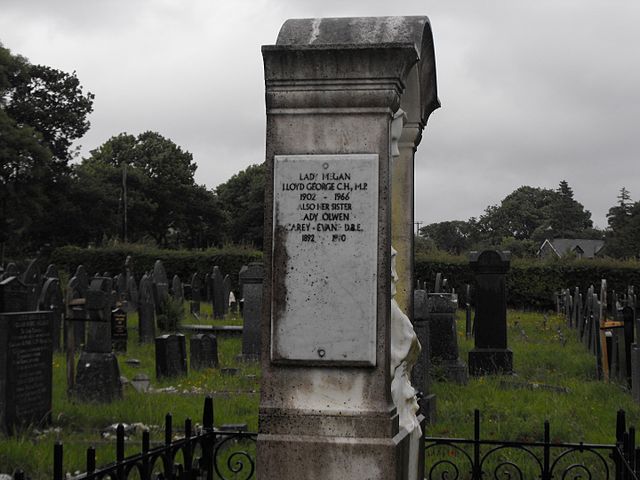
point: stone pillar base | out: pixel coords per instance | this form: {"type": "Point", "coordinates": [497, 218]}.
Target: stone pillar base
{"type": "Point", "coordinates": [488, 361]}
{"type": "Point", "coordinates": [98, 378]}
{"type": "Point", "coordinates": [312, 457]}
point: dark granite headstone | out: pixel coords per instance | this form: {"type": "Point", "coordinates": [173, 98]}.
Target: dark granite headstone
{"type": "Point", "coordinates": [146, 311]}
{"type": "Point", "coordinates": [196, 293]}
{"type": "Point", "coordinates": [241, 274]}
{"type": "Point", "coordinates": [119, 334]}
{"type": "Point", "coordinates": [203, 351]}
{"type": "Point", "coordinates": [51, 299]}
{"type": "Point", "coordinates": [443, 337]}
{"type": "Point", "coordinates": [171, 355]}
{"type": "Point", "coordinates": [218, 293]}
{"type": "Point", "coordinates": [51, 272]}
{"type": "Point", "coordinates": [26, 356]}
{"type": "Point", "coordinates": [252, 310]}
{"type": "Point", "coordinates": [14, 295]}
{"type": "Point", "coordinates": [490, 354]}
{"type": "Point", "coordinates": [32, 278]}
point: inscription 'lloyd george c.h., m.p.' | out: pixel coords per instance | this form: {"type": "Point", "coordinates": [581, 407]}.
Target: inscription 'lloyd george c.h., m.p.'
{"type": "Point", "coordinates": [325, 251]}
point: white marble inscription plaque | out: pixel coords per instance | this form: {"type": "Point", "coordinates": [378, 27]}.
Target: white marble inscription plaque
{"type": "Point", "coordinates": [325, 217]}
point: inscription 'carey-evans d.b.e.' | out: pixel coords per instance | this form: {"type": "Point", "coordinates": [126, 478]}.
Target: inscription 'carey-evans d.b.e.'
{"type": "Point", "coordinates": [325, 231]}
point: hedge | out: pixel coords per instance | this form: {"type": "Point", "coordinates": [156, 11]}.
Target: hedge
{"type": "Point", "coordinates": [534, 283]}
{"type": "Point", "coordinates": [530, 283]}
{"type": "Point", "coordinates": [183, 263]}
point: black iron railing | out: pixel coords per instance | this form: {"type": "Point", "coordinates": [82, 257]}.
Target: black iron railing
{"type": "Point", "coordinates": [207, 453]}
{"type": "Point", "coordinates": [477, 459]}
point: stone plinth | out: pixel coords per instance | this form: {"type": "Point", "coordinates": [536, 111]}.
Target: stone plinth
{"type": "Point", "coordinates": [490, 354]}
{"type": "Point", "coordinates": [333, 87]}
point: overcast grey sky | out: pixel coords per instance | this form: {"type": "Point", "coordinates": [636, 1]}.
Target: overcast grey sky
{"type": "Point", "coordinates": [532, 92]}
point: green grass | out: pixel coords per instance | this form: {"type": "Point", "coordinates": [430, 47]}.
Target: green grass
{"type": "Point", "coordinates": [545, 352]}
{"type": "Point", "coordinates": [80, 425]}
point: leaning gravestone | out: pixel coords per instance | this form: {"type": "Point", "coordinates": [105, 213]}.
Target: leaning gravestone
{"type": "Point", "coordinates": [217, 293]}
{"type": "Point", "coordinates": [253, 277]}
{"type": "Point", "coordinates": [204, 351]}
{"type": "Point", "coordinates": [26, 356]}
{"type": "Point", "coordinates": [490, 354]}
{"type": "Point", "coordinates": [146, 311]}
{"type": "Point", "coordinates": [334, 87]}
{"type": "Point", "coordinates": [171, 355]}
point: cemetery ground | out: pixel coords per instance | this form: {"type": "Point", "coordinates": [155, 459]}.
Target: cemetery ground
{"type": "Point", "coordinates": [555, 380]}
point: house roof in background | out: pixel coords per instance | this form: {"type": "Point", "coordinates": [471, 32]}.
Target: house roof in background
{"type": "Point", "coordinates": [589, 247]}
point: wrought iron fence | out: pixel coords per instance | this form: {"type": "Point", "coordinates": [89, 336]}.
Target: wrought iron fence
{"type": "Point", "coordinates": [208, 454]}
{"type": "Point", "coordinates": [477, 459]}
{"type": "Point", "coordinates": [212, 454]}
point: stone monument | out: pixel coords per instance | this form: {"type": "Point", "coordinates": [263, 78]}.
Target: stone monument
{"type": "Point", "coordinates": [253, 277]}
{"type": "Point", "coordinates": [333, 89]}
{"type": "Point", "coordinates": [490, 354]}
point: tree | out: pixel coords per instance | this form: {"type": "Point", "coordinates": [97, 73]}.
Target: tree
{"type": "Point", "coordinates": [453, 236]}
{"type": "Point", "coordinates": [623, 235]}
{"type": "Point", "coordinates": [42, 111]}
{"type": "Point", "coordinates": [242, 200]}
{"type": "Point", "coordinates": [163, 200]}
{"type": "Point", "coordinates": [567, 217]}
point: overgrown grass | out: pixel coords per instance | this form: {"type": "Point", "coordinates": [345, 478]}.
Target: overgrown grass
{"type": "Point", "coordinates": [81, 425]}
{"type": "Point", "coordinates": [546, 352]}
{"type": "Point", "coordinates": [515, 407]}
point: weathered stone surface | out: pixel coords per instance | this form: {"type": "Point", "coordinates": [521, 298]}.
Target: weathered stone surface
{"type": "Point", "coordinates": [14, 295]}
{"type": "Point", "coordinates": [490, 354]}
{"type": "Point", "coordinates": [171, 355]}
{"type": "Point", "coordinates": [51, 299]}
{"type": "Point", "coordinates": [333, 414]}
{"type": "Point", "coordinates": [26, 355]}
{"type": "Point", "coordinates": [98, 378]}
{"type": "Point", "coordinates": [146, 311]}
{"type": "Point", "coordinates": [326, 207]}
{"type": "Point", "coordinates": [217, 292]}
{"type": "Point", "coordinates": [252, 284]}
{"type": "Point", "coordinates": [203, 349]}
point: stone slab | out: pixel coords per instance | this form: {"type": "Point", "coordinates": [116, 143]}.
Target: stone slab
{"type": "Point", "coordinates": [325, 234]}
{"type": "Point", "coordinates": [26, 355]}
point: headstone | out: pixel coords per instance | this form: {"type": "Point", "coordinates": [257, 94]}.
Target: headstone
{"type": "Point", "coordinates": [635, 372]}
{"type": "Point", "coordinates": [204, 351]}
{"type": "Point", "coordinates": [326, 338]}
{"type": "Point", "coordinates": [119, 333]}
{"type": "Point", "coordinates": [32, 278]}
{"type": "Point", "coordinates": [421, 374]}
{"type": "Point", "coordinates": [14, 295]}
{"type": "Point", "coordinates": [171, 355]}
{"type": "Point", "coordinates": [176, 289]}
{"type": "Point", "coordinates": [51, 299]}
{"type": "Point", "coordinates": [196, 289]}
{"type": "Point", "coordinates": [226, 292]}
{"type": "Point", "coordinates": [10, 271]}
{"type": "Point", "coordinates": [76, 289]}
{"type": "Point", "coordinates": [160, 286]}
{"type": "Point", "coordinates": [217, 293]}
{"type": "Point", "coordinates": [146, 311]}
{"type": "Point", "coordinates": [51, 272]}
{"type": "Point", "coordinates": [26, 362]}
{"type": "Point", "coordinates": [627, 316]}
{"type": "Point", "coordinates": [253, 277]}
{"type": "Point", "coordinates": [98, 373]}
{"type": "Point", "coordinates": [241, 274]}
{"type": "Point", "coordinates": [490, 354]}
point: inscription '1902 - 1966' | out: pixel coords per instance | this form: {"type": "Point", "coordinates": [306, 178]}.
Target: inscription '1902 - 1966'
{"type": "Point", "coordinates": [325, 203]}
{"type": "Point", "coordinates": [325, 211]}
